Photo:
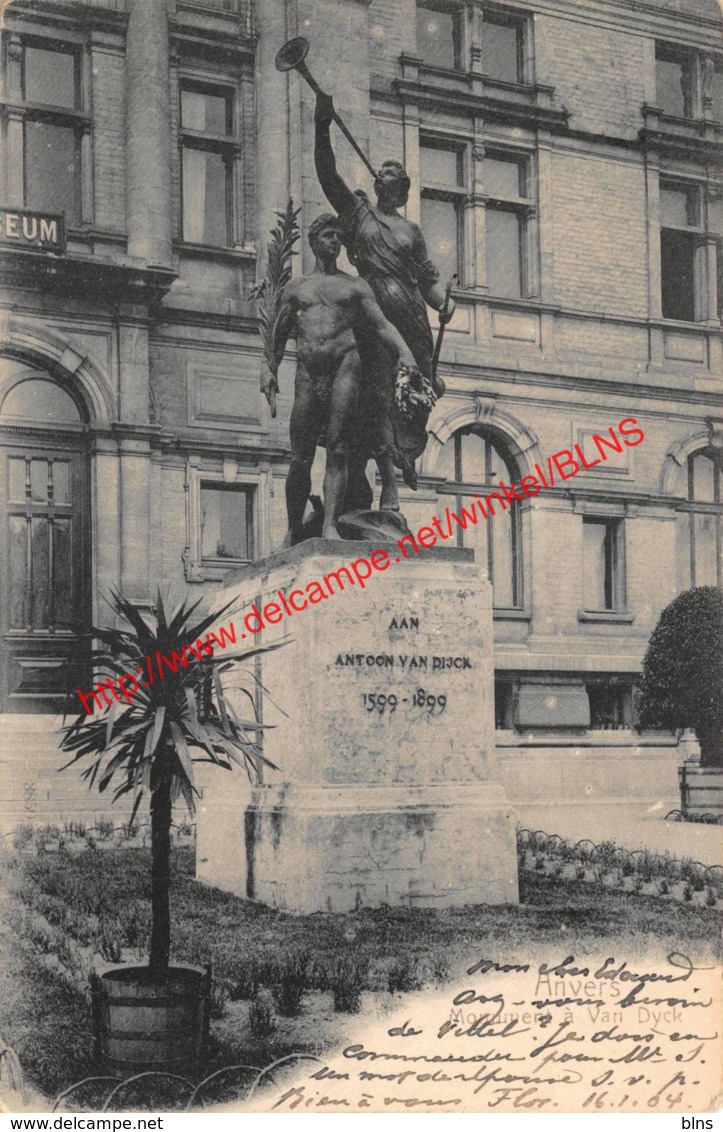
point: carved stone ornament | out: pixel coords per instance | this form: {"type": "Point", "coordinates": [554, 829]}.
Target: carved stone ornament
{"type": "Point", "coordinates": [715, 429]}
{"type": "Point", "coordinates": [484, 406]}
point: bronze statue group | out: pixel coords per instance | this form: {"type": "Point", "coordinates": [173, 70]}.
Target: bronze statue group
{"type": "Point", "coordinates": [365, 376]}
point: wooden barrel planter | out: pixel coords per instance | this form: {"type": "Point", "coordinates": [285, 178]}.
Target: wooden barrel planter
{"type": "Point", "coordinates": [701, 789]}
{"type": "Point", "coordinates": [143, 1024]}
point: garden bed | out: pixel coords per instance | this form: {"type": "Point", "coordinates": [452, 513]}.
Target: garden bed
{"type": "Point", "coordinates": [282, 982]}
{"type": "Point", "coordinates": [637, 871]}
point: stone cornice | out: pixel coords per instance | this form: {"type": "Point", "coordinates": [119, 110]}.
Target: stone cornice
{"type": "Point", "coordinates": [84, 273]}
{"type": "Point", "coordinates": [62, 434]}
{"type": "Point", "coordinates": [658, 20]}
{"type": "Point", "coordinates": [66, 15]}
{"type": "Point", "coordinates": [247, 324]}
{"type": "Point", "coordinates": [183, 442]}
{"type": "Point", "coordinates": [700, 150]}
{"type": "Point", "coordinates": [524, 114]}
{"type": "Point", "coordinates": [241, 44]}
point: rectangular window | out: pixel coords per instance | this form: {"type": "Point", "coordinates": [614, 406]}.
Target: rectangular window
{"type": "Point", "coordinates": [502, 48]}
{"type": "Point", "coordinates": [52, 129]}
{"type": "Point", "coordinates": [227, 523]}
{"type": "Point", "coordinates": [610, 705]}
{"type": "Point", "coordinates": [51, 77]}
{"type": "Point", "coordinates": [207, 155]}
{"type": "Point", "coordinates": [441, 207]}
{"type": "Point", "coordinates": [675, 81]}
{"type": "Point", "coordinates": [51, 167]}
{"type": "Point", "coordinates": [601, 565]}
{"type": "Point", "coordinates": [504, 253]}
{"type": "Point", "coordinates": [504, 703]}
{"type": "Point", "coordinates": [506, 181]}
{"type": "Point", "coordinates": [705, 518]}
{"type": "Point", "coordinates": [438, 37]}
{"type": "Point", "coordinates": [677, 265]}
{"type": "Point", "coordinates": [440, 222]}
{"type": "Point", "coordinates": [680, 231]}
{"type": "Point", "coordinates": [205, 197]}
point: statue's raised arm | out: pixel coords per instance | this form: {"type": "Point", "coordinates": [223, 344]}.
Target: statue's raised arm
{"type": "Point", "coordinates": [336, 191]}
{"type": "Point", "coordinates": [389, 252]}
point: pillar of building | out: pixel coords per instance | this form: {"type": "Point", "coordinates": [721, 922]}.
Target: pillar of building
{"type": "Point", "coordinates": [272, 124]}
{"type": "Point", "coordinates": [148, 134]}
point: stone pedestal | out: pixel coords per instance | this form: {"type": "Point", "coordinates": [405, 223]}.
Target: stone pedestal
{"type": "Point", "coordinates": [387, 790]}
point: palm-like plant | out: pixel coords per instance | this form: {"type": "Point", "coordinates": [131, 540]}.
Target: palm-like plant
{"type": "Point", "coordinates": [145, 743]}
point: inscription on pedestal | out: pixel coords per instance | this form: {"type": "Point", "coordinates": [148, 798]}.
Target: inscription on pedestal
{"type": "Point", "coordinates": [403, 701]}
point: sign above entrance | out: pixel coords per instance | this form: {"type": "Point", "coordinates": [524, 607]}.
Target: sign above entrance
{"type": "Point", "coordinates": [32, 231]}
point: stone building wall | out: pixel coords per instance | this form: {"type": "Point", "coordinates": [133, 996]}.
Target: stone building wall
{"type": "Point", "coordinates": [161, 345]}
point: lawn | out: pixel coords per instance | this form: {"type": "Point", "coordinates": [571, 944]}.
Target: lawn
{"type": "Point", "coordinates": [69, 911]}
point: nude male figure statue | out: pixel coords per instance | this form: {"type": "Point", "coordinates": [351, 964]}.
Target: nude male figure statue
{"type": "Point", "coordinates": [340, 329]}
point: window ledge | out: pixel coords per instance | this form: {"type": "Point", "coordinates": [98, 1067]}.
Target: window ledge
{"type": "Point", "coordinates": [605, 615]}
{"type": "Point", "coordinates": [209, 251]}
{"type": "Point", "coordinates": [511, 615]}
{"type": "Point", "coordinates": [469, 295]}
{"type": "Point", "coordinates": [203, 572]}
{"type": "Point", "coordinates": [703, 326]}
{"type": "Point", "coordinates": [584, 740]}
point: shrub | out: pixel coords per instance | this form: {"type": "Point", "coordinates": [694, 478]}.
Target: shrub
{"type": "Point", "coordinates": [404, 975]}
{"type": "Point", "coordinates": [605, 854]}
{"type": "Point", "coordinates": [135, 923]}
{"type": "Point", "coordinates": [48, 835]}
{"type": "Point", "coordinates": [439, 967]}
{"type": "Point", "coordinates": [54, 910]}
{"type": "Point", "coordinates": [70, 956]}
{"type": "Point", "coordinates": [83, 928]}
{"type": "Point", "coordinates": [104, 828]}
{"type": "Point", "coordinates": [76, 829]}
{"type": "Point", "coordinates": [109, 941]}
{"type": "Point", "coordinates": [219, 999]}
{"type": "Point", "coordinates": [293, 981]}
{"type": "Point", "coordinates": [347, 980]}
{"type": "Point", "coordinates": [41, 935]}
{"type": "Point", "coordinates": [23, 836]}
{"type": "Point", "coordinates": [262, 1015]}
{"type": "Point", "coordinates": [694, 874]}
{"type": "Point", "coordinates": [682, 683]}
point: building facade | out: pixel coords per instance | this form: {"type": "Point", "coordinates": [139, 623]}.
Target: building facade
{"type": "Point", "coordinates": [565, 165]}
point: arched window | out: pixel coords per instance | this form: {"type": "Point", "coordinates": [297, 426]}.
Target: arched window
{"type": "Point", "coordinates": [38, 399]}
{"type": "Point", "coordinates": [475, 463]}
{"type": "Point", "coordinates": [44, 540]}
{"type": "Point", "coordinates": [705, 517]}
